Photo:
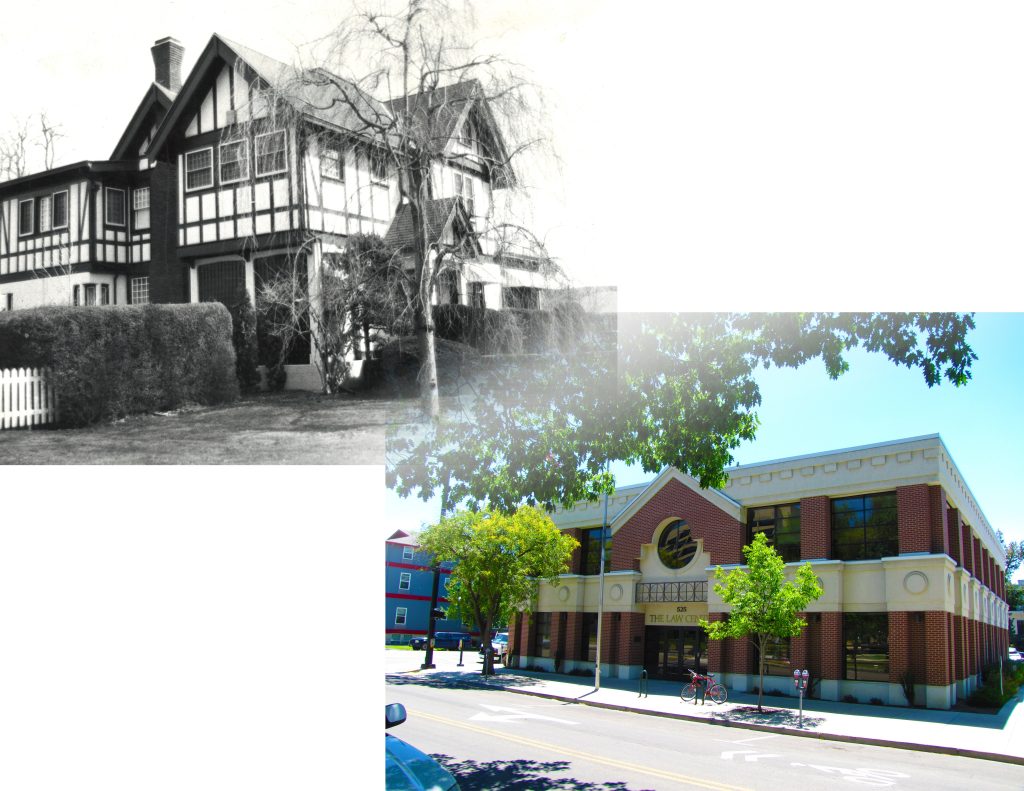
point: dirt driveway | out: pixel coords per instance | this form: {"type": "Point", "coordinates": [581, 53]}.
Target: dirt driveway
{"type": "Point", "coordinates": [279, 428]}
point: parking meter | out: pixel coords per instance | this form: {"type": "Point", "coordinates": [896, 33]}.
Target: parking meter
{"type": "Point", "coordinates": [800, 679]}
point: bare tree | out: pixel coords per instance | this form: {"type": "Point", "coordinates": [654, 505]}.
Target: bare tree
{"type": "Point", "coordinates": [418, 82]}
{"type": "Point", "coordinates": [14, 150]}
{"type": "Point", "coordinates": [50, 133]}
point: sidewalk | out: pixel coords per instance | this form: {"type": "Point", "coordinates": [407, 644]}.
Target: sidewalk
{"type": "Point", "coordinates": [998, 737]}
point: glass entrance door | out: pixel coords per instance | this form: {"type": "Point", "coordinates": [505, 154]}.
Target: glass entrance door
{"type": "Point", "coordinates": [669, 651]}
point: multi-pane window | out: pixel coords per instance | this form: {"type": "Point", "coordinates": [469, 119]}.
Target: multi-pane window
{"type": "Point", "coordinates": [90, 294]}
{"type": "Point", "coordinates": [780, 525]}
{"type": "Point", "coordinates": [104, 294]}
{"type": "Point", "coordinates": [401, 613]}
{"type": "Point", "coordinates": [378, 167]}
{"type": "Point", "coordinates": [676, 547]}
{"type": "Point", "coordinates": [464, 189]}
{"type": "Point", "coordinates": [140, 290]}
{"type": "Point", "coordinates": [866, 641]}
{"type": "Point", "coordinates": [115, 206]}
{"type": "Point", "coordinates": [26, 217]}
{"type": "Point", "coordinates": [404, 581]}
{"type": "Point", "coordinates": [45, 213]}
{"type": "Point", "coordinates": [332, 164]}
{"type": "Point", "coordinates": [270, 153]}
{"type": "Point", "coordinates": [199, 169]}
{"type": "Point", "coordinates": [864, 527]}
{"type": "Point", "coordinates": [60, 209]}
{"type": "Point", "coordinates": [542, 633]}
{"type": "Point", "coordinates": [590, 552]}
{"type": "Point", "coordinates": [140, 205]}
{"type": "Point", "coordinates": [234, 162]}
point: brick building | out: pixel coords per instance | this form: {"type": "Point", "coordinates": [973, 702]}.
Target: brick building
{"type": "Point", "coordinates": [912, 574]}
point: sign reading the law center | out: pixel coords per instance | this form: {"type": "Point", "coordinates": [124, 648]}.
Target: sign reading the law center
{"type": "Point", "coordinates": [675, 614]}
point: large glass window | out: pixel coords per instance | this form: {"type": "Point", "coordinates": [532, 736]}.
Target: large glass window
{"type": "Point", "coordinates": [141, 208]}
{"type": "Point", "coordinates": [26, 217]}
{"type": "Point", "coordinates": [45, 213]}
{"type": "Point", "coordinates": [676, 546]}
{"type": "Point", "coordinates": [776, 656]}
{"type": "Point", "coordinates": [140, 290]}
{"type": "Point", "coordinates": [542, 633]}
{"type": "Point", "coordinates": [115, 206]}
{"type": "Point", "coordinates": [60, 209]}
{"type": "Point", "coordinates": [866, 640]}
{"type": "Point", "coordinates": [404, 581]}
{"type": "Point", "coordinates": [590, 552]}
{"type": "Point", "coordinates": [234, 162]}
{"type": "Point", "coordinates": [401, 613]}
{"type": "Point", "coordinates": [865, 527]}
{"type": "Point", "coordinates": [780, 525]}
{"type": "Point", "coordinates": [589, 633]}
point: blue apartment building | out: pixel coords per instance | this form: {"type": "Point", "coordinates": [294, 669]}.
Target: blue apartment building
{"type": "Point", "coordinates": [409, 579]}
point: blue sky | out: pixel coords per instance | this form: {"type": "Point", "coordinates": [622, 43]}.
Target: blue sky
{"type": "Point", "coordinates": [803, 411]}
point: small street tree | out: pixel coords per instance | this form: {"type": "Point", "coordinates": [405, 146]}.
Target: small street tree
{"type": "Point", "coordinates": [764, 605]}
{"type": "Point", "coordinates": [499, 560]}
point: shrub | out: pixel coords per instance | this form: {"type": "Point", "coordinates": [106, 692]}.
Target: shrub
{"type": "Point", "coordinates": [850, 699]}
{"type": "Point", "coordinates": [243, 338]}
{"type": "Point", "coordinates": [108, 362]}
{"type": "Point", "coordinates": [988, 695]}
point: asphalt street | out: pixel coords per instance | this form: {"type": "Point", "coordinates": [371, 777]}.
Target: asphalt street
{"type": "Point", "coordinates": [492, 739]}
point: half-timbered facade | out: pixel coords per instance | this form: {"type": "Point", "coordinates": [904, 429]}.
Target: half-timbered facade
{"type": "Point", "coordinates": [230, 176]}
{"type": "Point", "coordinates": [913, 576]}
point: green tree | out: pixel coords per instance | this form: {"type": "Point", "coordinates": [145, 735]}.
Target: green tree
{"type": "Point", "coordinates": [499, 561]}
{"type": "Point", "coordinates": [680, 390]}
{"type": "Point", "coordinates": [763, 604]}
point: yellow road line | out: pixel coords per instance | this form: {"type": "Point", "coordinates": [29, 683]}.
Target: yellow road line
{"type": "Point", "coordinates": [695, 781]}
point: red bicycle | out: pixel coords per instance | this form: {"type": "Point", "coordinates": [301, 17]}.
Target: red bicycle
{"type": "Point", "coordinates": [715, 691]}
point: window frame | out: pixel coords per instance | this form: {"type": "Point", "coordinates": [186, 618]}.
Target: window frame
{"type": "Point", "coordinates": [405, 580]}
{"type": "Point", "coordinates": [776, 521]}
{"type": "Point", "coordinates": [778, 659]}
{"type": "Point", "coordinates": [847, 550]}
{"type": "Point", "coordinates": [339, 157]}
{"type": "Point", "coordinates": [106, 207]}
{"type": "Point", "coordinates": [32, 217]}
{"type": "Point", "coordinates": [104, 294]}
{"type": "Point", "coordinates": [284, 152]}
{"type": "Point", "coordinates": [676, 524]}
{"type": "Point", "coordinates": [76, 295]}
{"type": "Point", "coordinates": [542, 634]}
{"type": "Point", "coordinates": [9, 301]}
{"type": "Point", "coordinates": [407, 553]}
{"type": "Point", "coordinates": [136, 209]}
{"type": "Point", "coordinates": [45, 200]}
{"type": "Point", "coordinates": [137, 292]}
{"type": "Point", "coordinates": [403, 613]}
{"type": "Point", "coordinates": [590, 552]}
{"type": "Point", "coordinates": [850, 656]}
{"type": "Point", "coordinates": [244, 159]}
{"type": "Point", "coordinates": [89, 289]}
{"type": "Point", "coordinates": [374, 159]}
{"type": "Point", "coordinates": [67, 211]}
{"type": "Point", "coordinates": [209, 168]}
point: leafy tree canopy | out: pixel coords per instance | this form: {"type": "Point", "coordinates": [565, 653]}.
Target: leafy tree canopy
{"type": "Point", "coordinates": [499, 560]}
{"type": "Point", "coordinates": [763, 603]}
{"type": "Point", "coordinates": [679, 391]}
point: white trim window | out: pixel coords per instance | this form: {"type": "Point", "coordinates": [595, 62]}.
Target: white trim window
{"type": "Point", "coordinates": [115, 206]}
{"type": "Point", "coordinates": [234, 162]}
{"type": "Point", "coordinates": [378, 167]}
{"type": "Point", "coordinates": [60, 209]}
{"type": "Point", "coordinates": [198, 169]}
{"type": "Point", "coordinates": [45, 213]}
{"type": "Point", "coordinates": [140, 290]}
{"type": "Point", "coordinates": [140, 207]}
{"type": "Point", "coordinates": [405, 581]}
{"type": "Point", "coordinates": [26, 220]}
{"type": "Point", "coordinates": [332, 163]}
{"type": "Point", "coordinates": [104, 293]}
{"type": "Point", "coordinates": [407, 553]}
{"type": "Point", "coordinates": [271, 153]}
{"type": "Point", "coordinates": [90, 293]}
{"type": "Point", "coordinates": [401, 615]}
{"type": "Point", "coordinates": [464, 189]}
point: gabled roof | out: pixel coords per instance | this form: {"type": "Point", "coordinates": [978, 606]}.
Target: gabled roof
{"type": "Point", "coordinates": [441, 214]}
{"type": "Point", "coordinates": [717, 498]}
{"type": "Point", "coordinates": [154, 106]}
{"type": "Point", "coordinates": [62, 173]}
{"type": "Point", "coordinates": [446, 109]}
{"type": "Point", "coordinates": [313, 93]}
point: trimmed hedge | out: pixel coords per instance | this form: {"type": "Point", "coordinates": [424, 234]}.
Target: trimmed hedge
{"type": "Point", "coordinates": [108, 362]}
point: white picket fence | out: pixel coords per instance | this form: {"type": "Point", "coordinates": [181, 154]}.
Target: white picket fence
{"type": "Point", "coordinates": [25, 398]}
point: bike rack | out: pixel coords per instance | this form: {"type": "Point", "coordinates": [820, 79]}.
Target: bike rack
{"type": "Point", "coordinates": [643, 683]}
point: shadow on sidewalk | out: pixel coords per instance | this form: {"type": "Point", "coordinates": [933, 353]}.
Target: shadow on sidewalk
{"type": "Point", "coordinates": [785, 718]}
{"type": "Point", "coordinates": [519, 775]}
{"type": "Point", "coordinates": [453, 679]}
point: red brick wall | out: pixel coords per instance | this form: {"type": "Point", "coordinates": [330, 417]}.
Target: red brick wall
{"type": "Point", "coordinates": [830, 647]}
{"type": "Point", "coordinates": [723, 536]}
{"type": "Point", "coordinates": [913, 513]}
{"type": "Point", "coordinates": [936, 643]}
{"type": "Point", "coordinates": [937, 512]}
{"type": "Point", "coordinates": [573, 635]}
{"type": "Point", "coordinates": [558, 629]}
{"type": "Point", "coordinates": [631, 638]}
{"type": "Point", "coordinates": [716, 653]}
{"type": "Point", "coordinates": [815, 528]}
{"type": "Point", "coordinates": [899, 645]}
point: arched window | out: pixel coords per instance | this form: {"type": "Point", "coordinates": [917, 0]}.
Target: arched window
{"type": "Point", "coordinates": [676, 546]}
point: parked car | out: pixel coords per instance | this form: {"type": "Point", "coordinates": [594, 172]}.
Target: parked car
{"type": "Point", "coordinates": [499, 644]}
{"type": "Point", "coordinates": [1014, 655]}
{"type": "Point", "coordinates": [418, 643]}
{"type": "Point", "coordinates": [450, 641]}
{"type": "Point", "coordinates": [405, 767]}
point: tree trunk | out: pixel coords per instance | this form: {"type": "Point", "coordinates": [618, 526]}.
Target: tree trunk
{"type": "Point", "coordinates": [428, 361]}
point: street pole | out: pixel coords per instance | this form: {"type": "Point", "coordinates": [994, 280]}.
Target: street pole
{"type": "Point", "coordinates": [428, 659]}
{"type": "Point", "coordinates": [600, 595]}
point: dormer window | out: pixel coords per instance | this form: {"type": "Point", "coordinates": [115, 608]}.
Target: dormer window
{"type": "Point", "coordinates": [270, 153]}
{"type": "Point", "coordinates": [199, 169]}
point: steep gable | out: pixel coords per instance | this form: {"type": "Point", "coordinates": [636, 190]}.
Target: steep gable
{"type": "Point", "coordinates": [144, 123]}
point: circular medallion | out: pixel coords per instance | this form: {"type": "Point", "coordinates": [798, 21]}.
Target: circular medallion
{"type": "Point", "coordinates": [915, 582]}
{"type": "Point", "coordinates": [676, 546]}
{"type": "Point", "coordinates": [615, 592]}
{"type": "Point", "coordinates": [563, 594]}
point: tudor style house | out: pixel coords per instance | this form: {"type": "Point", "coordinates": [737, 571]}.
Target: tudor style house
{"type": "Point", "coordinates": [913, 577]}
{"type": "Point", "coordinates": [238, 172]}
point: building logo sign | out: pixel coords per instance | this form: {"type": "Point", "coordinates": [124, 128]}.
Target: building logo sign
{"type": "Point", "coordinates": [678, 615]}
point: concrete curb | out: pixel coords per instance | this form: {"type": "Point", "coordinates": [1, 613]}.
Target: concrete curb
{"type": "Point", "coordinates": [835, 737]}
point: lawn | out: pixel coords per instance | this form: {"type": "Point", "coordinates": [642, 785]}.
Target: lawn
{"type": "Point", "coordinates": [270, 428]}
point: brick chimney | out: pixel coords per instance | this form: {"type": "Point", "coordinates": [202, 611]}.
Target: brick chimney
{"type": "Point", "coordinates": [167, 54]}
